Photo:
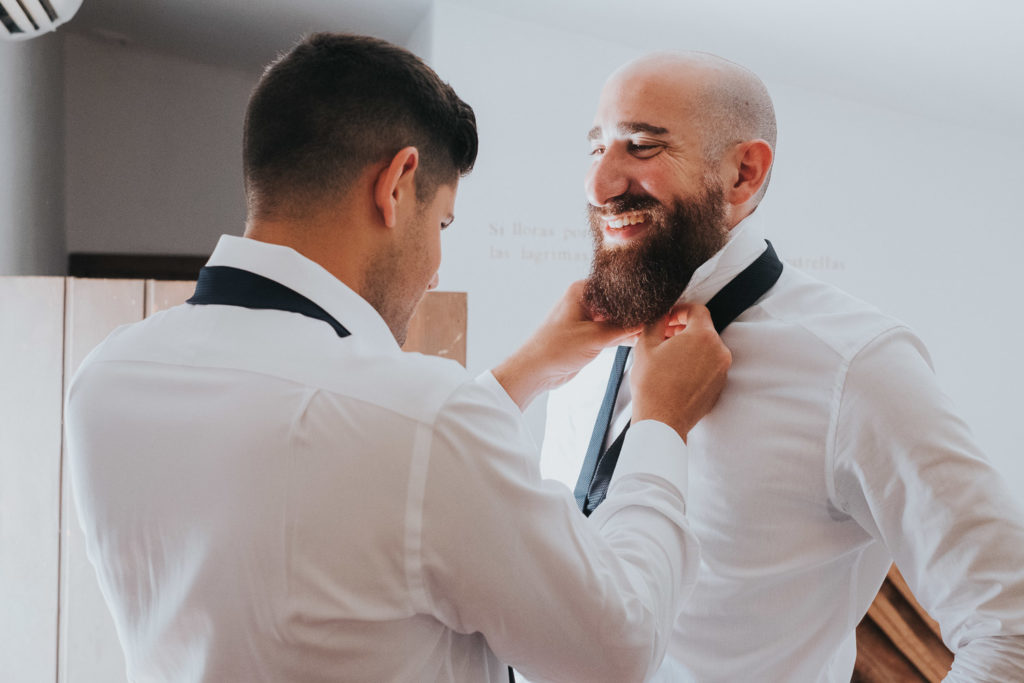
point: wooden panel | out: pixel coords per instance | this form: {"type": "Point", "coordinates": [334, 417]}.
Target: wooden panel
{"type": "Point", "coordinates": [897, 628]}
{"type": "Point", "coordinates": [89, 649]}
{"type": "Point", "coordinates": [900, 584]}
{"type": "Point", "coordinates": [31, 348]}
{"type": "Point", "coordinates": [878, 661]}
{"type": "Point", "coordinates": [438, 326]}
{"type": "Point", "coordinates": [163, 294]}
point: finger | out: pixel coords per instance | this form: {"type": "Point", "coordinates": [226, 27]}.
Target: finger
{"type": "Point", "coordinates": [698, 317]}
{"type": "Point", "coordinates": [679, 314]}
{"type": "Point", "coordinates": [574, 295]}
{"type": "Point", "coordinates": [570, 309]}
{"type": "Point", "coordinates": [576, 288]}
{"type": "Point", "coordinates": [677, 319]}
{"type": "Point", "coordinates": [673, 330]}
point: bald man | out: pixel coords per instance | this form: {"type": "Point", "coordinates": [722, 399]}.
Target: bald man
{"type": "Point", "coordinates": [832, 451]}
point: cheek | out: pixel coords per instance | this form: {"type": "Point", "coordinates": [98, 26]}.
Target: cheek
{"type": "Point", "coordinates": [672, 178]}
{"type": "Point", "coordinates": [434, 252]}
{"type": "Point", "coordinates": [662, 186]}
{"type": "Point", "coordinates": [428, 259]}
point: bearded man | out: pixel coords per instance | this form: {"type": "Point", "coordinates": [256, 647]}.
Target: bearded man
{"type": "Point", "coordinates": [831, 453]}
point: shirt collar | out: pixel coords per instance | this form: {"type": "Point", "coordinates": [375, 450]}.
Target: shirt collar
{"type": "Point", "coordinates": [746, 243]}
{"type": "Point", "coordinates": [293, 270]}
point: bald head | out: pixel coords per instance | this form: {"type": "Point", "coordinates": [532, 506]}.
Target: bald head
{"type": "Point", "coordinates": [724, 102]}
{"type": "Point", "coordinates": [728, 101]}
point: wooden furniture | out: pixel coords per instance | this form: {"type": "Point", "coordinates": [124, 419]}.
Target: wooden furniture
{"type": "Point", "coordinates": [898, 642]}
{"type": "Point", "coordinates": [54, 624]}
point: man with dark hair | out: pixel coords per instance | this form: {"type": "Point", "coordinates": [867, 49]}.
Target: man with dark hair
{"type": "Point", "coordinates": [272, 491]}
{"type": "Point", "coordinates": [311, 129]}
{"type": "Point", "coordinates": [832, 452]}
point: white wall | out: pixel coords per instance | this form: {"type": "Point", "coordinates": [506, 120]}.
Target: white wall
{"type": "Point", "coordinates": [154, 160]}
{"type": "Point", "coordinates": [519, 236]}
{"type": "Point", "coordinates": [909, 212]}
{"type": "Point", "coordinates": [31, 158]}
{"type": "Point", "coordinates": [421, 40]}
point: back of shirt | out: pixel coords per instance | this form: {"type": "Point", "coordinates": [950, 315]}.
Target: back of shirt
{"type": "Point", "coordinates": [246, 510]}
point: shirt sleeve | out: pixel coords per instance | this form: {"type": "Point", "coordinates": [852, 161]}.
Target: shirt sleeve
{"type": "Point", "coordinates": [907, 469]}
{"type": "Point", "coordinates": [558, 595]}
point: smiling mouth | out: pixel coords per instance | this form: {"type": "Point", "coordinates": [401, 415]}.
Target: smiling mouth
{"type": "Point", "coordinates": [625, 220]}
{"type": "Point", "coordinates": [624, 226]}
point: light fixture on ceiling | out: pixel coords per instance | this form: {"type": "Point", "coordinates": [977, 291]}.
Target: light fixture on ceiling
{"type": "Point", "coordinates": [24, 19]}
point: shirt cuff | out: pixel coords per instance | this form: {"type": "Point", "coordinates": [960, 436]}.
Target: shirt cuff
{"type": "Point", "coordinates": [491, 383]}
{"type": "Point", "coordinates": [652, 447]}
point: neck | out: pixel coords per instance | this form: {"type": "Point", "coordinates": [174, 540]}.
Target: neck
{"type": "Point", "coordinates": [738, 213]}
{"type": "Point", "coordinates": [342, 250]}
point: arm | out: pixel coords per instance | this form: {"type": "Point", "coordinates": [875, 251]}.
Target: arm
{"type": "Point", "coordinates": [907, 469]}
{"type": "Point", "coordinates": [560, 596]}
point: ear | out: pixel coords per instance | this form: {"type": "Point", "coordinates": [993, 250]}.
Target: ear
{"type": "Point", "coordinates": [752, 161]}
{"type": "Point", "coordinates": [395, 184]}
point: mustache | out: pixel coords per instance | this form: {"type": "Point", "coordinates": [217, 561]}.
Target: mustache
{"type": "Point", "coordinates": [623, 204]}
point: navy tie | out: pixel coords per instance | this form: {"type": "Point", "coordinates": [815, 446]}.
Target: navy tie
{"type": "Point", "coordinates": [227, 286]}
{"type": "Point", "coordinates": [604, 418]}
{"type": "Point", "coordinates": [737, 296]}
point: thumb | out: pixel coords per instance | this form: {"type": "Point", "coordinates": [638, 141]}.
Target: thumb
{"type": "Point", "coordinates": [697, 316]}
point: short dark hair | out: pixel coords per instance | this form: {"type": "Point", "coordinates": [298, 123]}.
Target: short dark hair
{"type": "Point", "coordinates": [336, 103]}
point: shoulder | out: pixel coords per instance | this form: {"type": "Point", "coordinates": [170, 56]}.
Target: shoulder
{"type": "Point", "coordinates": [275, 346]}
{"type": "Point", "coordinates": [415, 384]}
{"type": "Point", "coordinates": [826, 315]}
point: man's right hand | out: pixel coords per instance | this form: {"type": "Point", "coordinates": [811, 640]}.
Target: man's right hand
{"type": "Point", "coordinates": [567, 340]}
{"type": "Point", "coordinates": [679, 370]}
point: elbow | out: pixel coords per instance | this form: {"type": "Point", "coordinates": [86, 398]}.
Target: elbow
{"type": "Point", "coordinates": [635, 666]}
{"type": "Point", "coordinates": [632, 657]}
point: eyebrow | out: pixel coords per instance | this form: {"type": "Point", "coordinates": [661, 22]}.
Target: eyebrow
{"type": "Point", "coordinates": [629, 128]}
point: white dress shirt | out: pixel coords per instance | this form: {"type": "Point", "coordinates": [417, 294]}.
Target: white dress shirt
{"type": "Point", "coordinates": [266, 501]}
{"type": "Point", "coordinates": [831, 453]}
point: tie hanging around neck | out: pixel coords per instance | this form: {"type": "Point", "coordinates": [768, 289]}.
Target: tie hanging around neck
{"type": "Point", "coordinates": [229, 286]}
{"type": "Point", "coordinates": [604, 418]}
{"type": "Point", "coordinates": [738, 295]}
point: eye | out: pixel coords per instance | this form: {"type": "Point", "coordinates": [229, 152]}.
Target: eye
{"type": "Point", "coordinates": [596, 151]}
{"type": "Point", "coordinates": [446, 223]}
{"type": "Point", "coordinates": [643, 151]}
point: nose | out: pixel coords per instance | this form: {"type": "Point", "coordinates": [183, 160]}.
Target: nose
{"type": "Point", "coordinates": [606, 179]}
{"type": "Point", "coordinates": [434, 282]}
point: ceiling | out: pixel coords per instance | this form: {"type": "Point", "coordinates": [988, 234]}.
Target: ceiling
{"type": "Point", "coordinates": [961, 61]}
{"type": "Point", "coordinates": [241, 33]}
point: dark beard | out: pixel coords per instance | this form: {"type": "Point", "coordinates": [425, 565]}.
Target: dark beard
{"type": "Point", "coordinates": [636, 284]}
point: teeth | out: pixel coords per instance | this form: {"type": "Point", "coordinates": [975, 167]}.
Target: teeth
{"type": "Point", "coordinates": [627, 219]}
